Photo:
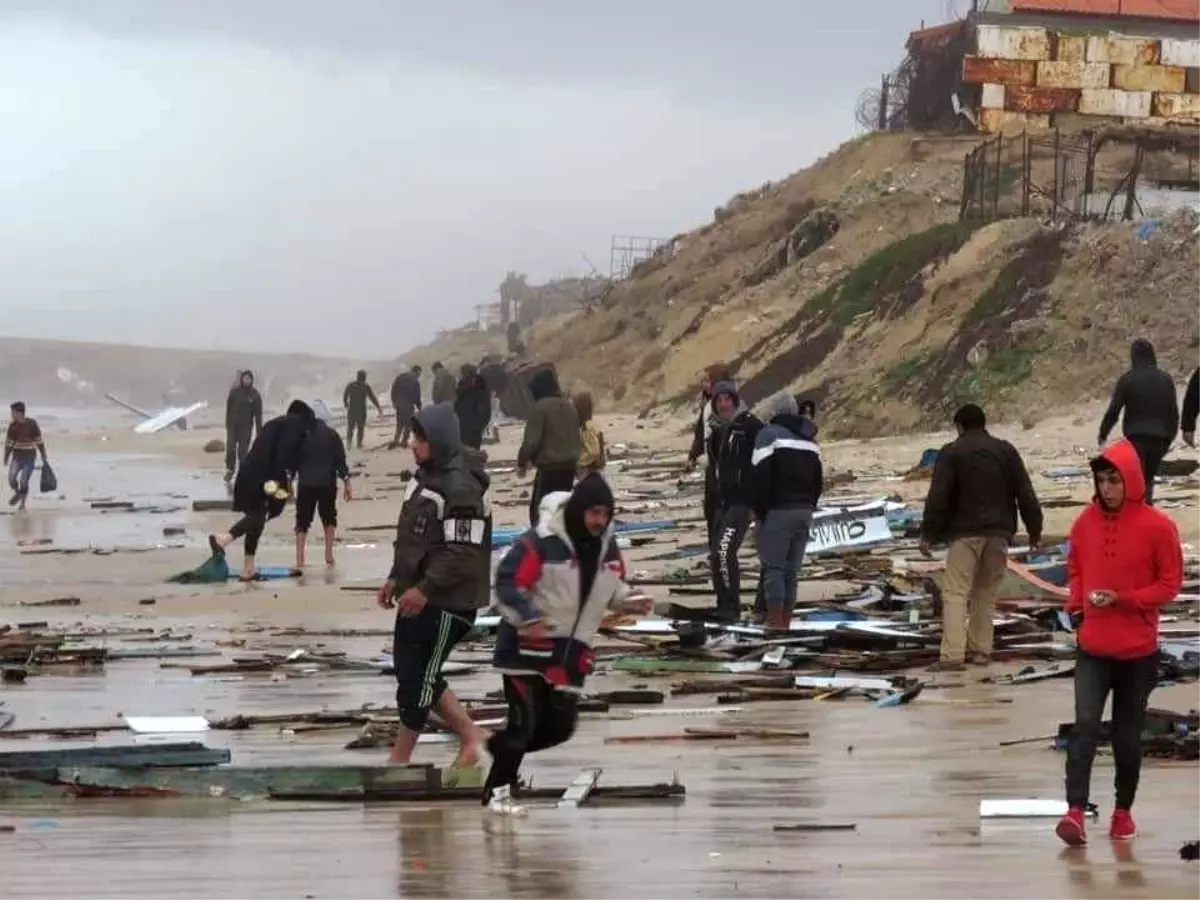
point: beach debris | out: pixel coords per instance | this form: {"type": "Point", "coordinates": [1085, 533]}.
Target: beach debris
{"type": "Point", "coordinates": [166, 724]}
{"type": "Point", "coordinates": [818, 826]}
{"type": "Point", "coordinates": [55, 601]}
{"type": "Point", "coordinates": [215, 445]}
{"type": "Point", "coordinates": [131, 757]}
{"type": "Point", "coordinates": [1190, 852]}
{"type": "Point", "coordinates": [580, 789]}
{"type": "Point", "coordinates": [1027, 809]}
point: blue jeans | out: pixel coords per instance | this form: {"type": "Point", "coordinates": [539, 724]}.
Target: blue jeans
{"type": "Point", "coordinates": [20, 470]}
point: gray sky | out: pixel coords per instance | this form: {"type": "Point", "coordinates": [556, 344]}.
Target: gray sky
{"type": "Point", "coordinates": [347, 177]}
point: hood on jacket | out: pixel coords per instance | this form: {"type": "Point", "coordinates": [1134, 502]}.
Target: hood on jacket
{"type": "Point", "coordinates": [550, 511]}
{"type": "Point", "coordinates": [1141, 353]}
{"type": "Point", "coordinates": [476, 461]}
{"type": "Point", "coordinates": [438, 424]}
{"type": "Point", "coordinates": [723, 389]}
{"type": "Point", "coordinates": [360, 376]}
{"type": "Point", "coordinates": [246, 378]}
{"type": "Point", "coordinates": [302, 410]}
{"type": "Point", "coordinates": [544, 384]}
{"type": "Point", "coordinates": [781, 404]}
{"type": "Point", "coordinates": [801, 426]}
{"type": "Point", "coordinates": [1123, 457]}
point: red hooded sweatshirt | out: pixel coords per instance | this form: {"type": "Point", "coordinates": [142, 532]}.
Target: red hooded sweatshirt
{"type": "Point", "coordinates": [1133, 551]}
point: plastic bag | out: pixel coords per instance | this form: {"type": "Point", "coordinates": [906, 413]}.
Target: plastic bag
{"type": "Point", "coordinates": [49, 479]}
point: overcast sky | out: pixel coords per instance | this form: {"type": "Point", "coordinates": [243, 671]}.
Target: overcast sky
{"type": "Point", "coordinates": [348, 176]}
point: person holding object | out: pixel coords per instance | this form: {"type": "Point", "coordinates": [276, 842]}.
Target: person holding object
{"type": "Point", "coordinates": [979, 484]}
{"type": "Point", "coordinates": [1123, 565]}
{"type": "Point", "coordinates": [440, 578]}
{"type": "Point", "coordinates": [593, 454]}
{"type": "Point", "coordinates": [1146, 394]}
{"type": "Point", "coordinates": [22, 445]}
{"type": "Point", "coordinates": [259, 491]}
{"type": "Point", "coordinates": [553, 588]}
{"type": "Point", "coordinates": [322, 465]}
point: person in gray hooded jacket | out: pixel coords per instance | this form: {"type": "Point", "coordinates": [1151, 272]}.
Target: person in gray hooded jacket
{"type": "Point", "coordinates": [440, 578]}
{"type": "Point", "coordinates": [787, 480]}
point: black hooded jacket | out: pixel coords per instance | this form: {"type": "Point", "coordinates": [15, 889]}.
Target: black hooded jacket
{"type": "Point", "coordinates": [787, 463]}
{"type": "Point", "coordinates": [275, 455]}
{"type": "Point", "coordinates": [731, 451]}
{"type": "Point", "coordinates": [551, 438]}
{"type": "Point", "coordinates": [1147, 395]}
{"type": "Point", "coordinates": [1191, 403]}
{"type": "Point", "coordinates": [444, 532]}
{"type": "Point", "coordinates": [356, 395]}
{"type": "Point", "coordinates": [406, 391]}
{"type": "Point", "coordinates": [243, 407]}
{"type": "Point", "coordinates": [323, 458]}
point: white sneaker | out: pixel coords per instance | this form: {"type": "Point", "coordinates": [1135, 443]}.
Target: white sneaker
{"type": "Point", "coordinates": [502, 803]}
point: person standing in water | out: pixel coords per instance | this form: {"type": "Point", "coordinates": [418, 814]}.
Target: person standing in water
{"type": "Point", "coordinates": [22, 446]}
{"type": "Point", "coordinates": [355, 399]}
{"type": "Point", "coordinates": [322, 465]}
{"type": "Point", "coordinates": [1124, 563]}
{"type": "Point", "coordinates": [553, 588]}
{"type": "Point", "coordinates": [440, 578]}
{"type": "Point", "coordinates": [274, 457]}
{"type": "Point", "coordinates": [243, 420]}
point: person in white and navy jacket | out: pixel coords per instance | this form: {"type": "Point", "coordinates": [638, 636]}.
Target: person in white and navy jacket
{"type": "Point", "coordinates": [553, 588]}
{"type": "Point", "coordinates": [787, 479]}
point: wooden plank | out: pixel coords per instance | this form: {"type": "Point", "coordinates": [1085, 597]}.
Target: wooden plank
{"type": "Point", "coordinates": [1041, 100]}
{"type": "Point", "coordinates": [580, 789]}
{"type": "Point", "coordinates": [133, 757]}
{"type": "Point", "coordinates": [977, 70]}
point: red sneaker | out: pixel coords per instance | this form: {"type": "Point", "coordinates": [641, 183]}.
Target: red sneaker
{"type": "Point", "coordinates": [1122, 827]}
{"type": "Point", "coordinates": [1071, 829]}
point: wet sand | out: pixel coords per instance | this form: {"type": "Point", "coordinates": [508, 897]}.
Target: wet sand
{"type": "Point", "coordinates": [910, 777]}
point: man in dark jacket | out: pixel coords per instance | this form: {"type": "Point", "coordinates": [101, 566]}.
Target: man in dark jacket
{"type": "Point", "coordinates": [550, 443]}
{"type": "Point", "coordinates": [1191, 408]}
{"type": "Point", "coordinates": [787, 483]}
{"type": "Point", "coordinates": [440, 578]}
{"type": "Point", "coordinates": [406, 400]}
{"type": "Point", "coordinates": [979, 484]}
{"type": "Point", "coordinates": [260, 489]}
{"type": "Point", "coordinates": [473, 406]}
{"type": "Point", "coordinates": [731, 448]}
{"type": "Point", "coordinates": [243, 419]}
{"type": "Point", "coordinates": [355, 398]}
{"type": "Point", "coordinates": [705, 420]}
{"type": "Point", "coordinates": [1124, 564]}
{"type": "Point", "coordinates": [322, 465]}
{"type": "Point", "coordinates": [443, 384]}
{"type": "Point", "coordinates": [1147, 395]}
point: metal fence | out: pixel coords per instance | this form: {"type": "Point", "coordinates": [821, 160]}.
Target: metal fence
{"type": "Point", "coordinates": [1023, 175]}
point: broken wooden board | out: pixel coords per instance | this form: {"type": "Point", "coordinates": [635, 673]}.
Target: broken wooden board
{"type": "Point", "coordinates": [580, 789]}
{"type": "Point", "coordinates": [131, 757]}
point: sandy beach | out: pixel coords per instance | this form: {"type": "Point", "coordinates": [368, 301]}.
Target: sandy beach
{"type": "Point", "coordinates": [909, 778]}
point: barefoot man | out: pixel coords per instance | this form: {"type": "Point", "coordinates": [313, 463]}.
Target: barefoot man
{"type": "Point", "coordinates": [440, 578]}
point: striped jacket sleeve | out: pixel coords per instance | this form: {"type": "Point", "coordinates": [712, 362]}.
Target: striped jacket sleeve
{"type": "Point", "coordinates": [516, 577]}
{"type": "Point", "coordinates": [761, 471]}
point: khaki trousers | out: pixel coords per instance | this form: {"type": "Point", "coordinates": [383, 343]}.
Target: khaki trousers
{"type": "Point", "coordinates": [975, 568]}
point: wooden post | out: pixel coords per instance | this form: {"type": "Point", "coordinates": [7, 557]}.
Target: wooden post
{"type": "Point", "coordinates": [881, 125]}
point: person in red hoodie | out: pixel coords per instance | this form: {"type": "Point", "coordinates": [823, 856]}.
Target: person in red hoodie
{"type": "Point", "coordinates": [1124, 563]}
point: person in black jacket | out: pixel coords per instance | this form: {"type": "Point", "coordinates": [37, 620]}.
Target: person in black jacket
{"type": "Point", "coordinates": [273, 458]}
{"type": "Point", "coordinates": [355, 398]}
{"type": "Point", "coordinates": [243, 419]}
{"type": "Point", "coordinates": [787, 483]}
{"type": "Point", "coordinates": [731, 448]}
{"type": "Point", "coordinates": [322, 465]}
{"type": "Point", "coordinates": [473, 406]}
{"type": "Point", "coordinates": [406, 400]}
{"type": "Point", "coordinates": [705, 420]}
{"type": "Point", "coordinates": [1147, 395]}
{"type": "Point", "coordinates": [1191, 408]}
{"type": "Point", "coordinates": [979, 484]}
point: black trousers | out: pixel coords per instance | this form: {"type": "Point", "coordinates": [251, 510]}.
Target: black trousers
{"type": "Point", "coordinates": [250, 526]}
{"type": "Point", "coordinates": [1151, 451]}
{"type": "Point", "coordinates": [421, 644]}
{"type": "Point", "coordinates": [710, 507]}
{"type": "Point", "coordinates": [355, 422]}
{"type": "Point", "coordinates": [237, 445]}
{"type": "Point", "coordinates": [729, 531]}
{"type": "Point", "coordinates": [1130, 681]}
{"type": "Point", "coordinates": [322, 500]}
{"type": "Point", "coordinates": [404, 417]}
{"type": "Point", "coordinates": [547, 481]}
{"type": "Point", "coordinates": [539, 717]}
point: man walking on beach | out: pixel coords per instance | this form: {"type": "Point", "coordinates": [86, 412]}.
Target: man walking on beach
{"type": "Point", "coordinates": [787, 483]}
{"type": "Point", "coordinates": [443, 384]}
{"type": "Point", "coordinates": [706, 420]}
{"type": "Point", "coordinates": [22, 445]}
{"type": "Point", "coordinates": [553, 588]}
{"type": "Point", "coordinates": [473, 406]}
{"type": "Point", "coordinates": [1123, 565]}
{"type": "Point", "coordinates": [979, 484]}
{"type": "Point", "coordinates": [406, 400]}
{"type": "Point", "coordinates": [322, 465]}
{"type": "Point", "coordinates": [1147, 395]}
{"type": "Point", "coordinates": [440, 578]}
{"type": "Point", "coordinates": [550, 443]}
{"type": "Point", "coordinates": [355, 398]}
{"type": "Point", "coordinates": [243, 420]}
{"type": "Point", "coordinates": [1191, 409]}
{"type": "Point", "coordinates": [731, 449]}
